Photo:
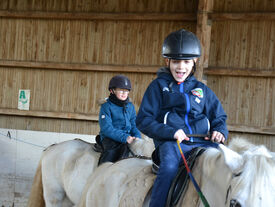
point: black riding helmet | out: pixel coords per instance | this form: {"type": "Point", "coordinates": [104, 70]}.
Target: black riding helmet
{"type": "Point", "coordinates": [120, 81]}
{"type": "Point", "coordinates": [181, 45]}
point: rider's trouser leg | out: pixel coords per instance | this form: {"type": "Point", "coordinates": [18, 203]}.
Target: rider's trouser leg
{"type": "Point", "coordinates": [169, 164]}
{"type": "Point", "coordinates": [112, 151]}
{"type": "Point", "coordinates": [170, 159]}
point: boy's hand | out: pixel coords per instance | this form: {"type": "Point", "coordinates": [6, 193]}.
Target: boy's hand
{"type": "Point", "coordinates": [180, 136]}
{"type": "Point", "coordinates": [216, 137]}
{"type": "Point", "coordinates": [130, 139]}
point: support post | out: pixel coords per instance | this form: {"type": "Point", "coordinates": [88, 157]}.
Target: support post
{"type": "Point", "coordinates": [204, 34]}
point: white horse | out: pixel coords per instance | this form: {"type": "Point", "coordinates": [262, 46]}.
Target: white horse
{"type": "Point", "coordinates": [64, 169]}
{"type": "Point", "coordinates": [239, 176]}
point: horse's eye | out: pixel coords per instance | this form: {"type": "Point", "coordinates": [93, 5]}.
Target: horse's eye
{"type": "Point", "coordinates": [237, 174]}
{"type": "Point", "coordinates": [235, 203]}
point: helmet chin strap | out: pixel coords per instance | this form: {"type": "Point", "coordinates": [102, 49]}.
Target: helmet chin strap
{"type": "Point", "coordinates": [193, 69]}
{"type": "Point", "coordinates": [169, 60]}
{"type": "Point", "coordinates": [112, 90]}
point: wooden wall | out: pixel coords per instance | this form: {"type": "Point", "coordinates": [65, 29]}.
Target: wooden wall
{"type": "Point", "coordinates": [66, 51]}
{"type": "Point", "coordinates": [241, 67]}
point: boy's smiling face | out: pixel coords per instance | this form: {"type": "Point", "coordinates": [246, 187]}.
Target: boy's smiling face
{"type": "Point", "coordinates": [180, 69]}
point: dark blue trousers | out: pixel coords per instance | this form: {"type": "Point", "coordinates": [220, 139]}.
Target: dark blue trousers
{"type": "Point", "coordinates": [170, 160]}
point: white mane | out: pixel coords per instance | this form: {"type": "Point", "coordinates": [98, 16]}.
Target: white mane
{"type": "Point", "coordinates": [258, 164]}
{"type": "Point", "coordinates": [255, 177]}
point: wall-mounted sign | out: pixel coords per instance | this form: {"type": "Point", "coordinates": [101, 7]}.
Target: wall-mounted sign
{"type": "Point", "coordinates": [24, 99]}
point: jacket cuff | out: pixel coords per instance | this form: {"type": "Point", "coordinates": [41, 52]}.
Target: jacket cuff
{"type": "Point", "coordinates": [124, 138]}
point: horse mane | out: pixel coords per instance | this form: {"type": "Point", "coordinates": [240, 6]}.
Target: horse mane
{"type": "Point", "coordinates": [257, 172]}
{"type": "Point", "coordinates": [259, 154]}
{"type": "Point", "coordinates": [240, 145]}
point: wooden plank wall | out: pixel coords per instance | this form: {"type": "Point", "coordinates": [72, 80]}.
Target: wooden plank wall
{"type": "Point", "coordinates": [242, 66]}
{"type": "Point", "coordinates": [65, 52]}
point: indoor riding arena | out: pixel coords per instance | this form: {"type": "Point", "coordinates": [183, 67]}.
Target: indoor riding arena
{"type": "Point", "coordinates": [58, 56]}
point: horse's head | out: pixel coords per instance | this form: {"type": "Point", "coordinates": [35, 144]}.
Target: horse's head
{"type": "Point", "coordinates": [250, 180]}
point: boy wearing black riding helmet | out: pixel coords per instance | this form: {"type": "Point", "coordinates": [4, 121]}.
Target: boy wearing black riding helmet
{"type": "Point", "coordinates": [117, 121]}
{"type": "Point", "coordinates": [176, 104]}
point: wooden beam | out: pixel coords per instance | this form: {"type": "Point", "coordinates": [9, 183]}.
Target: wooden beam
{"type": "Point", "coordinates": [48, 114]}
{"type": "Point", "coordinates": [204, 34]}
{"type": "Point", "coordinates": [203, 6]}
{"type": "Point", "coordinates": [252, 130]}
{"type": "Point", "coordinates": [79, 66]}
{"type": "Point", "coordinates": [239, 72]}
{"type": "Point", "coordinates": [99, 16]}
{"type": "Point", "coordinates": [242, 16]}
{"type": "Point", "coordinates": [94, 117]}
{"type": "Point", "coordinates": [131, 68]}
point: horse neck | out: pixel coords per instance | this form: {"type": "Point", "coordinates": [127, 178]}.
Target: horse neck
{"type": "Point", "coordinates": [191, 197]}
{"type": "Point", "coordinates": [210, 179]}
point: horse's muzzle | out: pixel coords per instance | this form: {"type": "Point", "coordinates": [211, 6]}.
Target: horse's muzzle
{"type": "Point", "coordinates": [235, 203]}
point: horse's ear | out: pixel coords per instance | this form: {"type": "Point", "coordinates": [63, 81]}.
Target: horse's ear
{"type": "Point", "coordinates": [232, 159]}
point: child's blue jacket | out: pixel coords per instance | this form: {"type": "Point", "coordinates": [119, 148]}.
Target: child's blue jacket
{"type": "Point", "coordinates": [168, 106]}
{"type": "Point", "coordinates": [116, 122]}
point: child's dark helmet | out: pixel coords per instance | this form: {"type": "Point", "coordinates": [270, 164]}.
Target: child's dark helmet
{"type": "Point", "coordinates": [181, 45]}
{"type": "Point", "coordinates": [120, 81]}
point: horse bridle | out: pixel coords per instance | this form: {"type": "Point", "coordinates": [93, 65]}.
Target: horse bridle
{"type": "Point", "coordinates": [233, 202]}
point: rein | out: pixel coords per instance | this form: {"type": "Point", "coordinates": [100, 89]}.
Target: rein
{"type": "Point", "coordinates": [203, 199]}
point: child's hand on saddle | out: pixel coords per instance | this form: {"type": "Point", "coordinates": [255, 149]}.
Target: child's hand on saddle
{"type": "Point", "coordinates": [130, 139]}
{"type": "Point", "coordinates": [216, 137]}
{"type": "Point", "coordinates": [180, 136]}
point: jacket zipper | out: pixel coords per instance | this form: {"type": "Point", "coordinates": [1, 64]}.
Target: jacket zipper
{"type": "Point", "coordinates": [188, 108]}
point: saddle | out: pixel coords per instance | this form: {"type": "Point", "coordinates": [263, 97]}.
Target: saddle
{"type": "Point", "coordinates": [180, 182]}
{"type": "Point", "coordinates": [98, 145]}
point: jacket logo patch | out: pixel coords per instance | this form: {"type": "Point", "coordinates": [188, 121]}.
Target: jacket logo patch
{"type": "Point", "coordinates": [165, 89]}
{"type": "Point", "coordinates": [197, 100]}
{"type": "Point", "coordinates": [197, 92]}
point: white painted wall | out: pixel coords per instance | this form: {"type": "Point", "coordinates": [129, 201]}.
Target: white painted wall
{"type": "Point", "coordinates": [19, 157]}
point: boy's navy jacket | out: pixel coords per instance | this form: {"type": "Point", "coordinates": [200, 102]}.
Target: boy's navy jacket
{"type": "Point", "coordinates": [116, 122]}
{"type": "Point", "coordinates": [168, 106]}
